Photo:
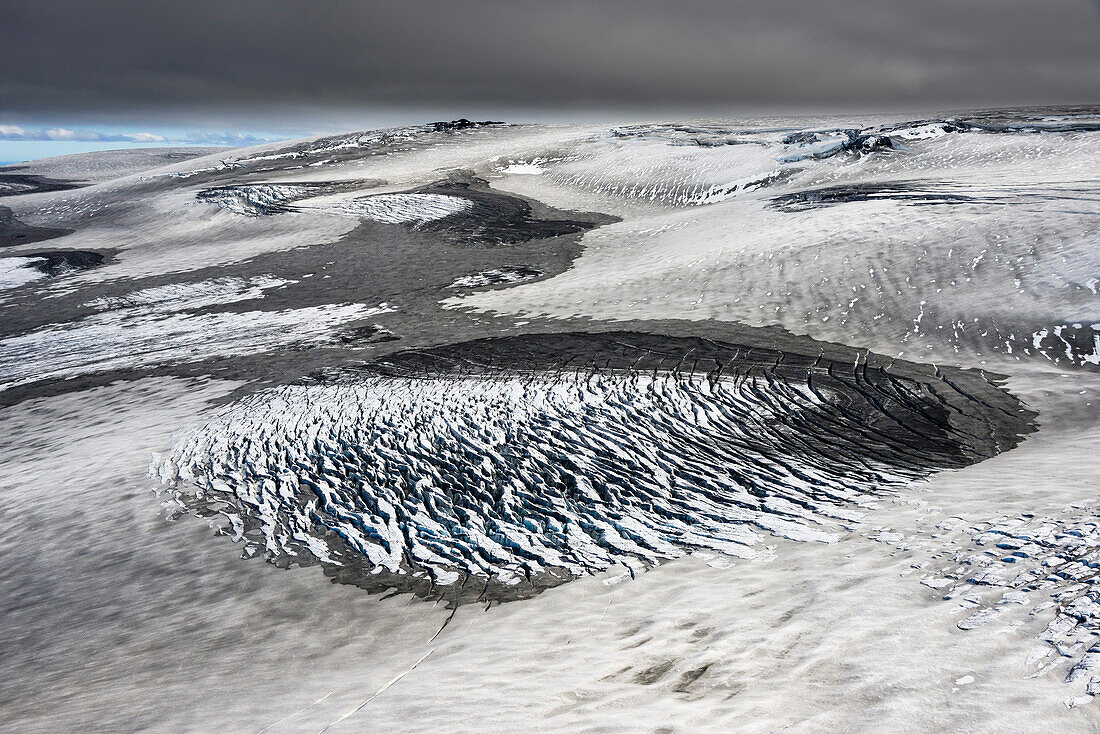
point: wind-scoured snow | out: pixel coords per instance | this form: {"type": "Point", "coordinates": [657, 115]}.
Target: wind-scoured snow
{"type": "Point", "coordinates": [195, 295]}
{"type": "Point", "coordinates": [128, 339]}
{"type": "Point", "coordinates": [966, 240]}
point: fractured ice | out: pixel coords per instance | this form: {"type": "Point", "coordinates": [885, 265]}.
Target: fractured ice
{"type": "Point", "coordinates": [397, 208]}
{"type": "Point", "coordinates": [499, 467]}
{"type": "Point", "coordinates": [400, 208]}
{"type": "Point", "coordinates": [255, 200]}
{"type": "Point", "coordinates": [1055, 559]}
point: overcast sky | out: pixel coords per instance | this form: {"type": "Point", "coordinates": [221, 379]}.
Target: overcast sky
{"type": "Point", "coordinates": [297, 64]}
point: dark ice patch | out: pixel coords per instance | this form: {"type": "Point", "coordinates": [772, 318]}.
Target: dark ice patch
{"type": "Point", "coordinates": [494, 218]}
{"type": "Point", "coordinates": [17, 184]}
{"type": "Point", "coordinates": [654, 673]}
{"type": "Point", "coordinates": [371, 334]}
{"type": "Point", "coordinates": [60, 262]}
{"type": "Point", "coordinates": [966, 403]}
{"type": "Point", "coordinates": [903, 191]}
{"type": "Point", "coordinates": [14, 232]}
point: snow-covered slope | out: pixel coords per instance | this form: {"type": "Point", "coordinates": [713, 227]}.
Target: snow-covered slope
{"type": "Point", "coordinates": [399, 355]}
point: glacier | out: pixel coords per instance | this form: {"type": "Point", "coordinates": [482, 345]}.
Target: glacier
{"type": "Point", "coordinates": [777, 421]}
{"type": "Point", "coordinates": [458, 473]}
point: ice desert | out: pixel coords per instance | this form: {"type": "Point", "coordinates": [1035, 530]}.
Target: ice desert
{"type": "Point", "coordinates": [750, 425]}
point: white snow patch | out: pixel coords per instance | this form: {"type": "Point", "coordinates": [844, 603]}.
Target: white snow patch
{"type": "Point", "coordinates": [185, 296]}
{"type": "Point", "coordinates": [394, 208]}
{"type": "Point", "coordinates": [116, 340]}
{"type": "Point", "coordinates": [17, 271]}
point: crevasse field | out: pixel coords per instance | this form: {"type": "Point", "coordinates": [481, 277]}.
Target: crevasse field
{"type": "Point", "coordinates": [744, 425]}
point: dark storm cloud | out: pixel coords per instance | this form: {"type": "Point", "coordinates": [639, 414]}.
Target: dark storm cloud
{"type": "Point", "coordinates": [84, 56]}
